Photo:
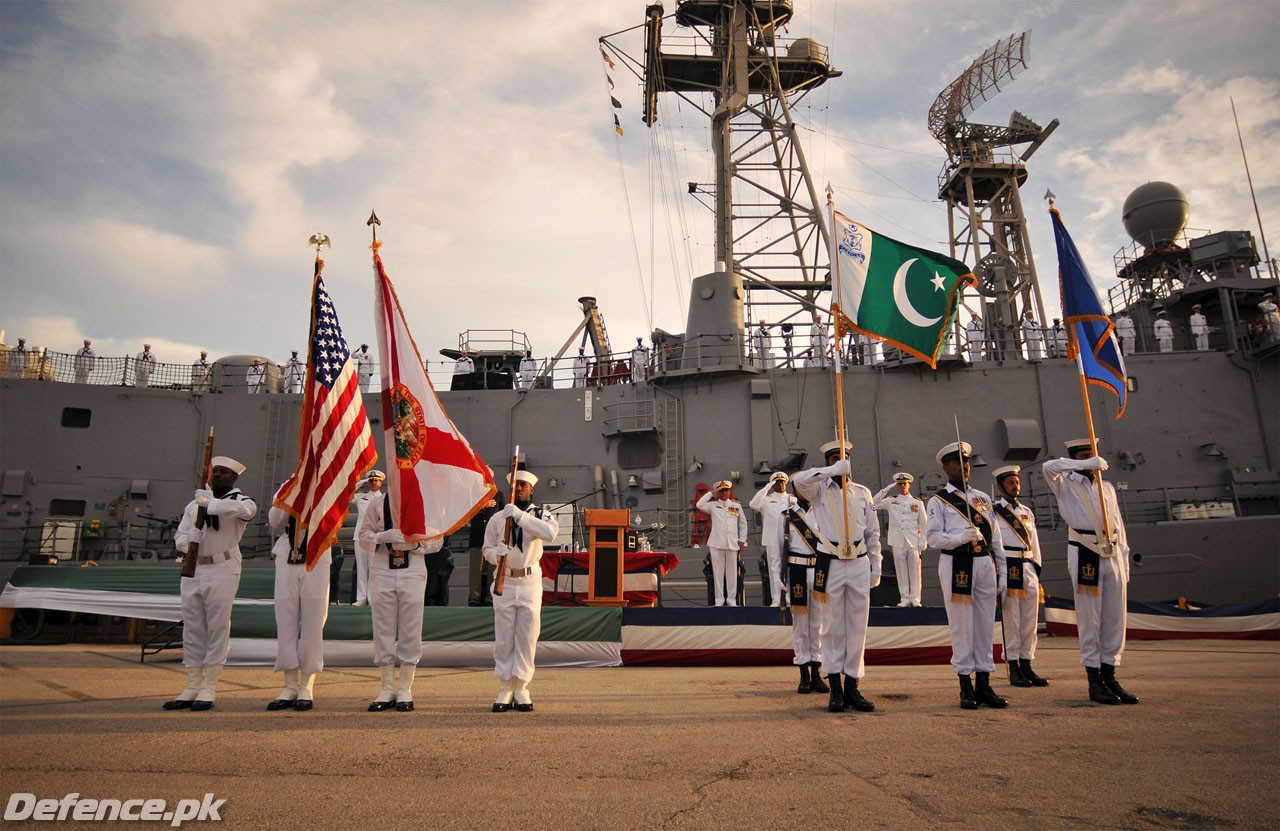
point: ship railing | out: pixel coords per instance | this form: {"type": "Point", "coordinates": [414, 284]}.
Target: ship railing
{"type": "Point", "coordinates": [1146, 506]}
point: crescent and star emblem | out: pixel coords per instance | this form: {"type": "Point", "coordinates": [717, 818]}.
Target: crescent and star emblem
{"type": "Point", "coordinates": [909, 312]}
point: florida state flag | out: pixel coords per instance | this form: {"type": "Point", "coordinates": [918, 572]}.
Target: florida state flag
{"type": "Point", "coordinates": [435, 481]}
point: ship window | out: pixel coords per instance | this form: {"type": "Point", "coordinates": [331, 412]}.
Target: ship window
{"type": "Point", "coordinates": [66, 507]}
{"type": "Point", "coordinates": [76, 417]}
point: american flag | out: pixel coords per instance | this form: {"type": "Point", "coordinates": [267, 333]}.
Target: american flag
{"type": "Point", "coordinates": [335, 444]}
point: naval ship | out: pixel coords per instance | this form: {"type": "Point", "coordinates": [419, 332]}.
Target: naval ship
{"type": "Point", "coordinates": [101, 470]}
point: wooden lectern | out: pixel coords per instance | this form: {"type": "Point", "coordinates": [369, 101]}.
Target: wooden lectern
{"type": "Point", "coordinates": [604, 569]}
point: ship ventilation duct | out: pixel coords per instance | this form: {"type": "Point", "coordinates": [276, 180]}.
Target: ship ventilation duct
{"type": "Point", "coordinates": [1020, 439]}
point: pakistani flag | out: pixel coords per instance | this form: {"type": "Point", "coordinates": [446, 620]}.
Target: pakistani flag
{"type": "Point", "coordinates": [901, 294]}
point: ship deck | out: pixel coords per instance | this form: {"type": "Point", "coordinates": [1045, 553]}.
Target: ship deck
{"type": "Point", "coordinates": [663, 747]}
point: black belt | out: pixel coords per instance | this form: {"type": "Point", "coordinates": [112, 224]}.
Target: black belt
{"type": "Point", "coordinates": [1011, 548]}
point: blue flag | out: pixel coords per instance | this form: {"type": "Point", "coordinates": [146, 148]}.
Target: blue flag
{"type": "Point", "coordinates": [1091, 336]}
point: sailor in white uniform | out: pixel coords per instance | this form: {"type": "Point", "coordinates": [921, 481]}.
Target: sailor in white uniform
{"type": "Point", "coordinates": [146, 364]}
{"type": "Point", "coordinates": [1199, 328]}
{"type": "Point", "coordinates": [301, 603]}
{"type": "Point", "coordinates": [364, 367]}
{"type": "Point", "coordinates": [808, 624]}
{"type": "Point", "coordinates": [86, 359]}
{"type": "Point", "coordinates": [200, 373]}
{"type": "Point", "coordinates": [397, 592]}
{"type": "Point", "coordinates": [255, 377]}
{"type": "Point", "coordinates": [764, 360]}
{"type": "Point", "coordinates": [207, 597]}
{"type": "Point", "coordinates": [580, 370]}
{"type": "Point", "coordinates": [1163, 331]}
{"type": "Point", "coordinates": [1032, 336]}
{"type": "Point", "coordinates": [18, 357]}
{"type": "Point", "coordinates": [770, 502]}
{"type": "Point", "coordinates": [1271, 313]}
{"type": "Point", "coordinates": [906, 534]}
{"type": "Point", "coordinates": [528, 369]}
{"type": "Point", "coordinates": [971, 571]}
{"type": "Point", "coordinates": [639, 362]}
{"type": "Point", "coordinates": [464, 365]}
{"type": "Point", "coordinates": [1059, 333]}
{"type": "Point", "coordinates": [818, 346]}
{"type": "Point", "coordinates": [364, 553]}
{"type": "Point", "coordinates": [848, 568]}
{"type": "Point", "coordinates": [1098, 558]}
{"type": "Point", "coordinates": [1126, 331]}
{"type": "Point", "coordinates": [517, 611]}
{"type": "Point", "coordinates": [728, 537]}
{"type": "Point", "coordinates": [295, 371]}
{"type": "Point", "coordinates": [1020, 607]}
{"type": "Point", "coordinates": [975, 335]}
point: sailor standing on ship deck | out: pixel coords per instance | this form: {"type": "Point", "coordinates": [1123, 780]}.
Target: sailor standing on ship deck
{"type": "Point", "coordinates": [974, 335]}
{"type": "Point", "coordinates": [200, 374]}
{"type": "Point", "coordinates": [763, 359]}
{"type": "Point", "coordinates": [728, 537]}
{"type": "Point", "coordinates": [294, 372]}
{"type": "Point", "coordinates": [1099, 565]}
{"type": "Point", "coordinates": [1163, 331]}
{"type": "Point", "coordinates": [517, 612]}
{"type": "Point", "coordinates": [847, 570]}
{"type": "Point", "coordinates": [971, 571]}
{"type": "Point", "coordinates": [1126, 331]}
{"type": "Point", "coordinates": [146, 365]}
{"type": "Point", "coordinates": [397, 590]}
{"type": "Point", "coordinates": [580, 370]}
{"type": "Point", "coordinates": [364, 366]}
{"type": "Point", "coordinates": [770, 503]}
{"type": "Point", "coordinates": [639, 362]}
{"type": "Point", "coordinates": [85, 362]}
{"type": "Point", "coordinates": [1200, 328]}
{"type": "Point", "coordinates": [528, 369]}
{"type": "Point", "coordinates": [1020, 608]}
{"type": "Point", "coordinates": [301, 606]}
{"type": "Point", "coordinates": [1032, 336]}
{"type": "Point", "coordinates": [364, 553]}
{"type": "Point", "coordinates": [256, 377]}
{"type": "Point", "coordinates": [906, 534]}
{"type": "Point", "coordinates": [818, 346]}
{"type": "Point", "coordinates": [207, 597]}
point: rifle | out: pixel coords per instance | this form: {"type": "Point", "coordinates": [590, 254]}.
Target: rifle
{"type": "Point", "coordinates": [500, 578]}
{"type": "Point", "coordinates": [202, 513]}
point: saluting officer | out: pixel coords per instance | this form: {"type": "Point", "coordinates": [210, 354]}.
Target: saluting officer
{"type": "Point", "coordinates": [771, 502]}
{"type": "Point", "coordinates": [1021, 604]}
{"type": "Point", "coordinates": [728, 537]}
{"type": "Point", "coordinates": [906, 534]}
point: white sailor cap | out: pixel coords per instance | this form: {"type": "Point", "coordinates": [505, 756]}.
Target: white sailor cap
{"type": "Point", "coordinates": [955, 447]}
{"type": "Point", "coordinates": [779, 476]}
{"type": "Point", "coordinates": [722, 485]}
{"type": "Point", "coordinates": [903, 476]}
{"type": "Point", "coordinates": [524, 476]}
{"type": "Point", "coordinates": [227, 462]}
{"type": "Point", "coordinates": [377, 474]}
{"type": "Point", "coordinates": [1079, 444]}
{"type": "Point", "coordinates": [834, 445]}
{"type": "Point", "coordinates": [1008, 470]}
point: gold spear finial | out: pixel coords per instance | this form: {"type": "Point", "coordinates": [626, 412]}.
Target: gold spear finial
{"type": "Point", "coordinates": [373, 224]}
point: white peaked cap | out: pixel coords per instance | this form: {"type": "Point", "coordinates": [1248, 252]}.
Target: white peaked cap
{"type": "Point", "coordinates": [956, 446]}
{"type": "Point", "coordinates": [779, 476]}
{"type": "Point", "coordinates": [1007, 470]}
{"type": "Point", "coordinates": [834, 445]}
{"type": "Point", "coordinates": [723, 485]}
{"type": "Point", "coordinates": [1074, 443]}
{"type": "Point", "coordinates": [903, 476]}
{"type": "Point", "coordinates": [524, 476]}
{"type": "Point", "coordinates": [227, 462]}
{"type": "Point", "coordinates": [376, 474]}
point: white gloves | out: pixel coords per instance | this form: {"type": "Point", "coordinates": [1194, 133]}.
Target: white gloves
{"type": "Point", "coordinates": [203, 496]}
{"type": "Point", "coordinates": [875, 572]}
{"type": "Point", "coordinates": [512, 512]}
{"type": "Point", "coordinates": [395, 535]}
{"type": "Point", "coordinates": [840, 468]}
{"type": "Point", "coordinates": [1095, 463]}
{"type": "Point", "coordinates": [1002, 583]}
{"type": "Point", "coordinates": [970, 534]}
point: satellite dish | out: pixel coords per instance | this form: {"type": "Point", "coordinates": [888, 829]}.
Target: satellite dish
{"type": "Point", "coordinates": [996, 273]}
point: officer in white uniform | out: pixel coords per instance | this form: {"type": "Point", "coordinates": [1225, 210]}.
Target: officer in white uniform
{"type": "Point", "coordinates": [301, 606]}
{"type": "Point", "coordinates": [971, 571]}
{"type": "Point", "coordinates": [364, 367]}
{"type": "Point", "coordinates": [255, 377]}
{"type": "Point", "coordinates": [906, 534]}
{"type": "Point", "coordinates": [639, 362]}
{"type": "Point", "coordinates": [808, 624]}
{"type": "Point", "coordinates": [528, 369]}
{"type": "Point", "coordinates": [364, 553]}
{"type": "Point", "coordinates": [1032, 336]}
{"type": "Point", "coordinates": [146, 364]}
{"type": "Point", "coordinates": [1271, 312]}
{"type": "Point", "coordinates": [764, 360]}
{"type": "Point", "coordinates": [728, 537]}
{"type": "Point", "coordinates": [295, 371]}
{"type": "Point", "coordinates": [200, 374]}
{"type": "Point", "coordinates": [975, 334]}
{"type": "Point", "coordinates": [1059, 349]}
{"type": "Point", "coordinates": [1020, 607]}
{"type": "Point", "coordinates": [86, 359]}
{"type": "Point", "coordinates": [580, 370]}
{"type": "Point", "coordinates": [818, 346]}
{"type": "Point", "coordinates": [464, 365]}
{"type": "Point", "coordinates": [1200, 328]}
{"type": "Point", "coordinates": [1164, 331]}
{"type": "Point", "coordinates": [848, 568]}
{"type": "Point", "coordinates": [207, 597]}
{"type": "Point", "coordinates": [1099, 564]}
{"type": "Point", "coordinates": [517, 612]}
{"type": "Point", "coordinates": [397, 593]}
{"type": "Point", "coordinates": [770, 502]}
{"type": "Point", "coordinates": [1126, 331]}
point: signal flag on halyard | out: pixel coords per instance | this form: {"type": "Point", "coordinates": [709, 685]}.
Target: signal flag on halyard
{"type": "Point", "coordinates": [335, 444]}
{"type": "Point", "coordinates": [1091, 336]}
{"type": "Point", "coordinates": [906, 296]}
{"type": "Point", "coordinates": [436, 482]}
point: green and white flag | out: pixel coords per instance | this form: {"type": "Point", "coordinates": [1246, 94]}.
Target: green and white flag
{"type": "Point", "coordinates": [904, 295]}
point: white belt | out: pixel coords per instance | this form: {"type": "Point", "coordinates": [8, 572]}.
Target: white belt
{"type": "Point", "coordinates": [210, 559]}
{"type": "Point", "coordinates": [859, 548]}
{"type": "Point", "coordinates": [795, 560]}
{"type": "Point", "coordinates": [1091, 541]}
{"type": "Point", "coordinates": [520, 572]}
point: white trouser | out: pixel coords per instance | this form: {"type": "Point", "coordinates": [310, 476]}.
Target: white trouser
{"type": "Point", "coordinates": [1035, 350]}
{"type": "Point", "coordinates": [396, 596]}
{"type": "Point", "coordinates": [1101, 619]}
{"type": "Point", "coordinates": [777, 585]}
{"type": "Point", "coordinates": [1020, 616]}
{"type": "Point", "coordinates": [1202, 342]}
{"type": "Point", "coordinates": [363, 557]}
{"type": "Point", "coordinates": [973, 625]}
{"type": "Point", "coordinates": [302, 606]}
{"type": "Point", "coordinates": [724, 572]}
{"type": "Point", "coordinates": [844, 626]}
{"type": "Point", "coordinates": [207, 599]}
{"type": "Point", "coordinates": [517, 621]}
{"type": "Point", "coordinates": [1126, 345]}
{"type": "Point", "coordinates": [808, 630]}
{"type": "Point", "coordinates": [1166, 344]}
{"type": "Point", "coordinates": [906, 563]}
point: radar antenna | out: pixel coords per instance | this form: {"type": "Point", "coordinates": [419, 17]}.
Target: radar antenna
{"type": "Point", "coordinates": [980, 185]}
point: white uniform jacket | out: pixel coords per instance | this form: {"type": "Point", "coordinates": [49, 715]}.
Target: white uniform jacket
{"type": "Point", "coordinates": [770, 506]}
{"type": "Point", "coordinates": [906, 517]}
{"type": "Point", "coordinates": [537, 526]}
{"type": "Point", "coordinates": [945, 526]}
{"type": "Point", "coordinates": [825, 500]}
{"type": "Point", "coordinates": [728, 522]}
{"type": "Point", "coordinates": [371, 524]}
{"type": "Point", "coordinates": [1071, 484]}
{"type": "Point", "coordinates": [233, 512]}
{"type": "Point", "coordinates": [1009, 536]}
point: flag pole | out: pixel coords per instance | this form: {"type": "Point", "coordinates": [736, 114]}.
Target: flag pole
{"type": "Point", "coordinates": [838, 321]}
{"type": "Point", "coordinates": [1073, 345]}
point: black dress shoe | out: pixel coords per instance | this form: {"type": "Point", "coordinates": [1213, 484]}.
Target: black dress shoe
{"type": "Point", "coordinates": [303, 704]}
{"type": "Point", "coordinates": [379, 706]}
{"type": "Point", "coordinates": [177, 704]}
{"type": "Point", "coordinates": [201, 706]}
{"type": "Point", "coordinates": [404, 706]}
{"type": "Point", "coordinates": [524, 708]}
{"type": "Point", "coordinates": [280, 704]}
{"type": "Point", "coordinates": [500, 708]}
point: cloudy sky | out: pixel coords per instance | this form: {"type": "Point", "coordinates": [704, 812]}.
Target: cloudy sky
{"type": "Point", "coordinates": [162, 164]}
